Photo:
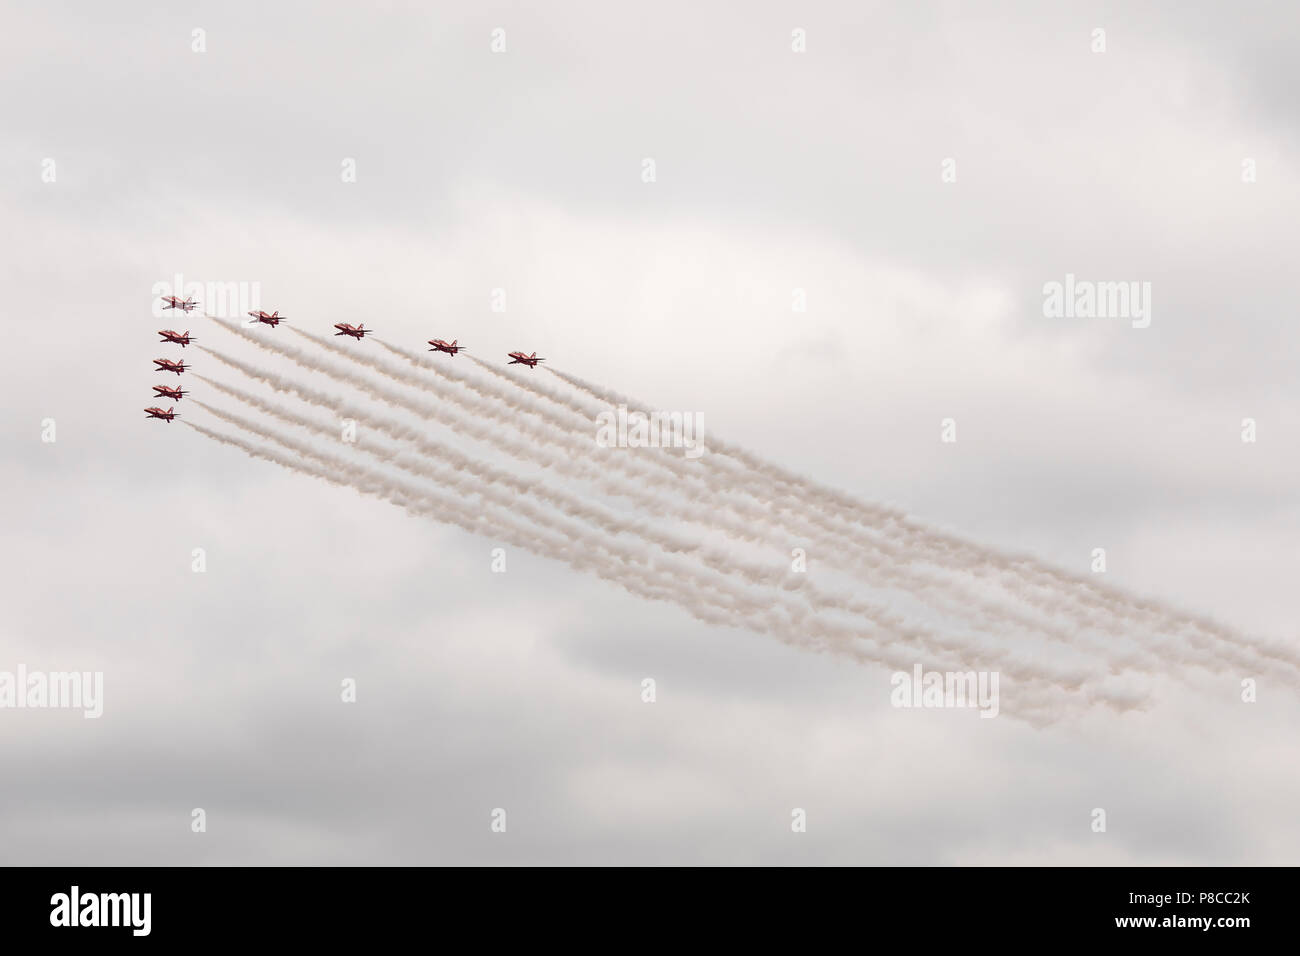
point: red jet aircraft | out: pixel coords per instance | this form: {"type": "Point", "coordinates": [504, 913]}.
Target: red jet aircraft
{"type": "Point", "coordinates": [167, 365]}
{"type": "Point", "coordinates": [519, 358]}
{"type": "Point", "coordinates": [357, 332]}
{"type": "Point", "coordinates": [451, 348]}
{"type": "Point", "coordinates": [175, 303]}
{"type": "Point", "coordinates": [178, 338]}
{"type": "Point", "coordinates": [164, 391]}
{"type": "Point", "coordinates": [166, 416]}
{"type": "Point", "coordinates": [273, 319]}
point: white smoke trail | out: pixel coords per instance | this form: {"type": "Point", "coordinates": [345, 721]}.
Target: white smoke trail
{"type": "Point", "coordinates": [452, 511]}
{"type": "Point", "coordinates": [700, 515]}
{"type": "Point", "coordinates": [757, 613]}
{"type": "Point", "coordinates": [1062, 586]}
{"type": "Point", "coordinates": [880, 559]}
{"type": "Point", "coordinates": [573, 506]}
{"type": "Point", "coordinates": [787, 494]}
{"type": "Point", "coordinates": [611, 524]}
{"type": "Point", "coordinates": [988, 615]}
{"type": "Point", "coordinates": [879, 553]}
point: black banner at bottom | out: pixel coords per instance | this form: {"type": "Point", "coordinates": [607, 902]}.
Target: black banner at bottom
{"type": "Point", "coordinates": [945, 907]}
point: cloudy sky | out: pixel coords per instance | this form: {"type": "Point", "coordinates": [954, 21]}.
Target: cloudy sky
{"type": "Point", "coordinates": [918, 172]}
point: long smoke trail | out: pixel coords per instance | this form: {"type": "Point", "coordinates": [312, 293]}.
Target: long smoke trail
{"type": "Point", "coordinates": [794, 492]}
{"type": "Point", "coordinates": [481, 471]}
{"type": "Point", "coordinates": [449, 511]}
{"type": "Point", "coordinates": [1117, 618]}
{"type": "Point", "coordinates": [880, 619]}
{"type": "Point", "coordinates": [786, 493]}
{"type": "Point", "coordinates": [879, 558]}
{"type": "Point", "coordinates": [990, 617]}
{"type": "Point", "coordinates": [1139, 611]}
{"type": "Point", "coordinates": [569, 504]}
{"type": "Point", "coordinates": [576, 435]}
{"type": "Point", "coordinates": [1009, 618]}
{"type": "Point", "coordinates": [757, 612]}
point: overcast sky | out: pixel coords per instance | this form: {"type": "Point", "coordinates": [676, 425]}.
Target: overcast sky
{"type": "Point", "coordinates": [522, 170]}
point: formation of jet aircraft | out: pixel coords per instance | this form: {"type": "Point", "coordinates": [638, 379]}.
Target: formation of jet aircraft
{"type": "Point", "coordinates": [168, 365]}
{"type": "Point", "coordinates": [273, 319]}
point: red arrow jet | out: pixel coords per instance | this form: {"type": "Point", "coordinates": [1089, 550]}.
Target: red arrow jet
{"type": "Point", "coordinates": [176, 303]}
{"type": "Point", "coordinates": [176, 338]}
{"type": "Point", "coordinates": [164, 391]}
{"type": "Point", "coordinates": [519, 358]}
{"type": "Point", "coordinates": [451, 348]}
{"type": "Point", "coordinates": [167, 365]}
{"type": "Point", "coordinates": [166, 416]}
{"type": "Point", "coordinates": [356, 332]}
